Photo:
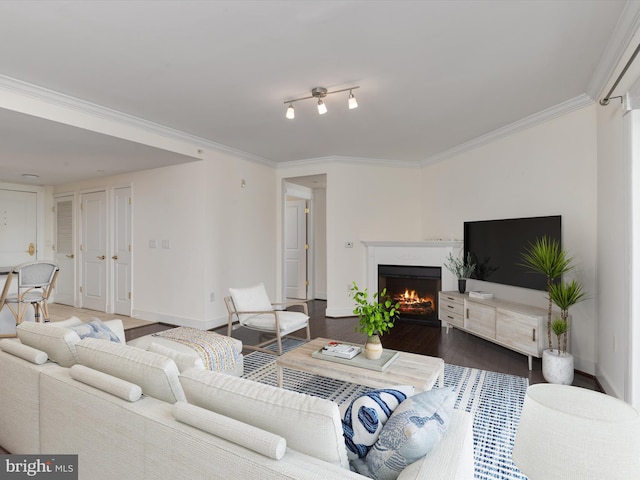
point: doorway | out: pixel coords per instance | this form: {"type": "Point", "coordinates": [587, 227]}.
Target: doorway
{"type": "Point", "coordinates": [105, 250]}
{"type": "Point", "coordinates": [309, 191]}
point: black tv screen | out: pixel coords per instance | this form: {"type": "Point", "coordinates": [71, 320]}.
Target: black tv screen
{"type": "Point", "coordinates": [496, 247]}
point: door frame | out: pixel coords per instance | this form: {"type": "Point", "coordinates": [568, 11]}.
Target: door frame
{"type": "Point", "coordinates": [75, 239]}
{"type": "Point", "coordinates": [292, 190]}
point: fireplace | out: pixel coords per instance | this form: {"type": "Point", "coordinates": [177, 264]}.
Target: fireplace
{"type": "Point", "coordinates": [415, 288]}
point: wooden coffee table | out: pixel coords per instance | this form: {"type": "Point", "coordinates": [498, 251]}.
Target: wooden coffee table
{"type": "Point", "coordinates": [407, 369]}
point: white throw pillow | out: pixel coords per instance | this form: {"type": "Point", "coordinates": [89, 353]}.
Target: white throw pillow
{"type": "Point", "coordinates": [15, 347]}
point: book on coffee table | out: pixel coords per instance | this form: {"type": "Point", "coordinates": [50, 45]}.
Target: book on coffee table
{"type": "Point", "coordinates": [341, 350]}
{"type": "Point", "coordinates": [380, 365]}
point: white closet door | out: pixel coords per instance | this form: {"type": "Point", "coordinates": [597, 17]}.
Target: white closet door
{"type": "Point", "coordinates": [18, 227]}
{"type": "Point", "coordinates": [64, 291]}
{"type": "Point", "coordinates": [121, 258]}
{"type": "Point", "coordinates": [94, 251]}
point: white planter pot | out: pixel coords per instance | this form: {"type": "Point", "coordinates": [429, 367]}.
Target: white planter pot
{"type": "Point", "coordinates": [373, 348]}
{"type": "Point", "coordinates": [557, 367]}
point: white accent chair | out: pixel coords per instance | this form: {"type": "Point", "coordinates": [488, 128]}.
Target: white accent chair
{"type": "Point", "coordinates": [252, 309]}
{"type": "Point", "coordinates": [36, 280]}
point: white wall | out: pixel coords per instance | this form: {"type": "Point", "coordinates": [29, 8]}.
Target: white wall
{"type": "Point", "coordinates": [221, 235]}
{"type": "Point", "coordinates": [549, 169]}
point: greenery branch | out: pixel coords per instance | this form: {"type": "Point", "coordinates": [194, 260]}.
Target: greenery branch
{"type": "Point", "coordinates": [377, 316]}
{"type": "Point", "coordinates": [459, 267]}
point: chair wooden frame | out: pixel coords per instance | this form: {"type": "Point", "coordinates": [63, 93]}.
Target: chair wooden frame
{"type": "Point", "coordinates": [235, 319]}
{"type": "Point", "coordinates": [3, 302]}
{"type": "Point", "coordinates": [22, 300]}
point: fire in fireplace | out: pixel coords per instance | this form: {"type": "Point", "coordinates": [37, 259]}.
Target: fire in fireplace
{"type": "Point", "coordinates": [415, 288]}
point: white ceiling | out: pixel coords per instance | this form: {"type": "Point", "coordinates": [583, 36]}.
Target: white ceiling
{"type": "Point", "coordinates": [433, 75]}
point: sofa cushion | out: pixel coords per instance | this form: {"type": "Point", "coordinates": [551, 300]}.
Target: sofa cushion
{"type": "Point", "coordinates": [310, 425]}
{"type": "Point", "coordinates": [107, 383]}
{"type": "Point", "coordinates": [184, 361]}
{"type": "Point", "coordinates": [248, 436]}
{"type": "Point", "coordinates": [412, 431]}
{"type": "Point", "coordinates": [95, 328]}
{"type": "Point", "coordinates": [156, 374]}
{"type": "Point", "coordinates": [30, 354]}
{"type": "Point", "coordinates": [58, 342]}
{"type": "Point", "coordinates": [364, 417]}
{"type": "Point", "coordinates": [69, 322]}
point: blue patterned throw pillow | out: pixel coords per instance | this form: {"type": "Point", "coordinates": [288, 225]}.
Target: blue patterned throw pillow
{"type": "Point", "coordinates": [364, 417]}
{"type": "Point", "coordinates": [414, 428]}
{"type": "Point", "coordinates": [95, 329]}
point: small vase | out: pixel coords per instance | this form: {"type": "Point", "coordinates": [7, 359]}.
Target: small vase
{"type": "Point", "coordinates": [462, 285]}
{"type": "Point", "coordinates": [373, 347]}
{"type": "Point", "coordinates": [557, 367]}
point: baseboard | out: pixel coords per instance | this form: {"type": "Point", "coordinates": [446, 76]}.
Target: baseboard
{"type": "Point", "coordinates": [180, 321]}
{"type": "Point", "coordinates": [339, 312]}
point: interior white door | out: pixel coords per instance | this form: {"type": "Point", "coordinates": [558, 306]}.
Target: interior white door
{"type": "Point", "coordinates": [18, 227]}
{"type": "Point", "coordinates": [94, 251]}
{"type": "Point", "coordinates": [296, 249]}
{"type": "Point", "coordinates": [122, 251]}
{"type": "Point", "coordinates": [64, 291]}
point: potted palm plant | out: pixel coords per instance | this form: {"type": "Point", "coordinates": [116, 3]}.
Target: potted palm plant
{"type": "Point", "coordinates": [462, 268]}
{"type": "Point", "coordinates": [377, 316]}
{"type": "Point", "coordinates": [557, 365]}
{"type": "Point", "coordinates": [545, 256]}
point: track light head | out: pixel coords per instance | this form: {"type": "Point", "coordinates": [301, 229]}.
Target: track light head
{"type": "Point", "coordinates": [353, 103]}
{"type": "Point", "coordinates": [291, 114]}
{"type": "Point", "coordinates": [322, 108]}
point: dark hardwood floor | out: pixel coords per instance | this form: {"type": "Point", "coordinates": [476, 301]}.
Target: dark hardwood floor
{"type": "Point", "coordinates": [456, 347]}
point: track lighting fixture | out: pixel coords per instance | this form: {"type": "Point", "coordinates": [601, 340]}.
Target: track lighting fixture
{"type": "Point", "coordinates": [320, 93]}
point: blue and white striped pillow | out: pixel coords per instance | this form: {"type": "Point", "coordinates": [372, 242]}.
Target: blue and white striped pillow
{"type": "Point", "coordinates": [364, 417]}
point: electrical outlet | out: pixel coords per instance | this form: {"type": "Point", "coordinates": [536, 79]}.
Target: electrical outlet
{"type": "Point", "coordinates": [152, 244]}
{"type": "Point", "coordinates": [212, 297]}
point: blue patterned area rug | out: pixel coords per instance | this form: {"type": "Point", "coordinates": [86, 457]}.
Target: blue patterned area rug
{"type": "Point", "coordinates": [494, 399]}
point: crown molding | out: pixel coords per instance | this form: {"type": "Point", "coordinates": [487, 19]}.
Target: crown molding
{"type": "Point", "coordinates": [348, 160]}
{"type": "Point", "coordinates": [626, 29]}
{"type": "Point", "coordinates": [569, 106]}
{"type": "Point", "coordinates": [51, 97]}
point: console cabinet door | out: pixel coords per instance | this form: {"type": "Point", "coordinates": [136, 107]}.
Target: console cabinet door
{"type": "Point", "coordinates": [480, 319]}
{"type": "Point", "coordinates": [520, 331]}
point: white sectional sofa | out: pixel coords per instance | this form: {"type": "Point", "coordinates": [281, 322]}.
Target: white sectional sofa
{"type": "Point", "coordinates": [130, 413]}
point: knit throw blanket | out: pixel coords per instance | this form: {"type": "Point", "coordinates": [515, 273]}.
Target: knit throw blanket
{"type": "Point", "coordinates": [217, 351]}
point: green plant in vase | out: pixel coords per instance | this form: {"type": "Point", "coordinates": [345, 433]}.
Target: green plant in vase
{"type": "Point", "coordinates": [377, 316]}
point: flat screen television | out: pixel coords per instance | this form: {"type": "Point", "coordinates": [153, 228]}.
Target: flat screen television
{"type": "Point", "coordinates": [496, 246]}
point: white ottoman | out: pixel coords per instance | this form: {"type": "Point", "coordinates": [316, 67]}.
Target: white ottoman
{"type": "Point", "coordinates": [144, 342]}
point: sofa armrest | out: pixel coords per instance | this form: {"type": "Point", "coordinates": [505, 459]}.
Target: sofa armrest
{"type": "Point", "coordinates": [452, 458]}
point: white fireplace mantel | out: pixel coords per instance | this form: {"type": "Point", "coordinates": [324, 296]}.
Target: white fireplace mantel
{"type": "Point", "coordinates": [430, 253]}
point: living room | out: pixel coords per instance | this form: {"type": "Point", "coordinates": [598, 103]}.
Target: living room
{"type": "Point", "coordinates": [222, 212]}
